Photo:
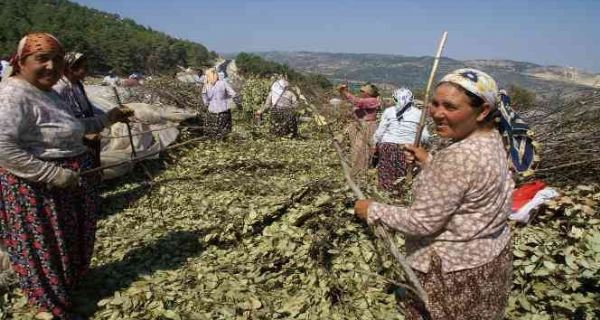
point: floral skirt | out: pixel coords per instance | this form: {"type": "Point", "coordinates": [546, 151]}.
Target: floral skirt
{"type": "Point", "coordinates": [472, 294]}
{"type": "Point", "coordinates": [284, 122]}
{"type": "Point", "coordinates": [49, 235]}
{"type": "Point", "coordinates": [218, 125]}
{"type": "Point", "coordinates": [391, 166]}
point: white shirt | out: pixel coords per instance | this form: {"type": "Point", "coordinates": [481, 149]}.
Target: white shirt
{"type": "Point", "coordinates": [392, 131]}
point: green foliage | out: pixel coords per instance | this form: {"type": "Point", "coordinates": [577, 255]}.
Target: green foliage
{"type": "Point", "coordinates": [110, 41]}
{"type": "Point", "coordinates": [254, 93]}
{"type": "Point", "coordinates": [521, 98]}
{"type": "Point", "coordinates": [557, 260]}
{"type": "Point", "coordinates": [251, 64]}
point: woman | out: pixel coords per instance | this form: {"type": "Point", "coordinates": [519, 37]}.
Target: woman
{"type": "Point", "coordinates": [282, 102]}
{"type": "Point", "coordinates": [70, 88]}
{"type": "Point", "coordinates": [363, 126]}
{"type": "Point", "coordinates": [457, 237]}
{"type": "Point", "coordinates": [397, 127]}
{"type": "Point", "coordinates": [47, 211]}
{"type": "Point", "coordinates": [215, 94]}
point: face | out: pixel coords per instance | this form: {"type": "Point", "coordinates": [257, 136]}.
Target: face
{"type": "Point", "coordinates": [78, 72]}
{"type": "Point", "coordinates": [42, 69]}
{"type": "Point", "coordinates": [454, 117]}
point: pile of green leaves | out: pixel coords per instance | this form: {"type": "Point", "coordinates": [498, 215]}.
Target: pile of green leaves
{"type": "Point", "coordinates": [254, 93]}
{"type": "Point", "coordinates": [557, 260]}
{"type": "Point", "coordinates": [257, 227]}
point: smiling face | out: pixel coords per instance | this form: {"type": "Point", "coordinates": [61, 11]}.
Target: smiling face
{"type": "Point", "coordinates": [42, 69]}
{"type": "Point", "coordinates": [452, 111]}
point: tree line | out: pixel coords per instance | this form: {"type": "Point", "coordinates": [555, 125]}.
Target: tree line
{"type": "Point", "coordinates": [110, 41]}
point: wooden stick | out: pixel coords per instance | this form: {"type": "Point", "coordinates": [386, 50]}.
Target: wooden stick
{"type": "Point", "coordinates": [133, 152]}
{"type": "Point", "coordinates": [380, 230]}
{"type": "Point", "coordinates": [436, 61]}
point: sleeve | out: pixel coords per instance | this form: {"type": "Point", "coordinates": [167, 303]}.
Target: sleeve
{"type": "Point", "coordinates": [362, 103]}
{"type": "Point", "coordinates": [229, 90]}
{"type": "Point", "coordinates": [383, 124]}
{"type": "Point", "coordinates": [438, 194]}
{"type": "Point", "coordinates": [95, 124]}
{"type": "Point", "coordinates": [14, 121]}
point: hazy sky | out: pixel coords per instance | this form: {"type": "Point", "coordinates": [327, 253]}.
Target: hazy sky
{"type": "Point", "coordinates": [549, 32]}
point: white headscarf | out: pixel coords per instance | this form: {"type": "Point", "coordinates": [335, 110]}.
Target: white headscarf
{"type": "Point", "coordinates": [402, 96]}
{"type": "Point", "coordinates": [277, 90]}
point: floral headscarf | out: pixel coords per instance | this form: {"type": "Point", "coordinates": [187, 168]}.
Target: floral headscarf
{"type": "Point", "coordinates": [71, 58]}
{"type": "Point", "coordinates": [477, 82]}
{"type": "Point", "coordinates": [34, 43]}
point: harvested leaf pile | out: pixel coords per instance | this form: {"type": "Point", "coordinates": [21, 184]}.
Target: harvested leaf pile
{"type": "Point", "coordinates": [258, 227]}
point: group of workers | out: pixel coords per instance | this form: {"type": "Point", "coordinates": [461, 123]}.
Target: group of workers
{"type": "Point", "coordinates": [457, 237]}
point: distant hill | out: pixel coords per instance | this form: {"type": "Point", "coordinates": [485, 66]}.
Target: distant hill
{"type": "Point", "coordinates": [111, 42]}
{"type": "Point", "coordinates": [397, 70]}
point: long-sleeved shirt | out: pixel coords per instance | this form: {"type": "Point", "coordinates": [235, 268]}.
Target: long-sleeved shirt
{"type": "Point", "coordinates": [288, 100]}
{"type": "Point", "coordinates": [216, 96]}
{"type": "Point", "coordinates": [462, 200]}
{"type": "Point", "coordinates": [391, 130]}
{"type": "Point", "coordinates": [364, 108]}
{"type": "Point", "coordinates": [36, 126]}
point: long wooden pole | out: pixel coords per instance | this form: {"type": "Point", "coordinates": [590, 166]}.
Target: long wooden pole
{"type": "Point", "coordinates": [421, 125]}
{"type": "Point", "coordinates": [379, 229]}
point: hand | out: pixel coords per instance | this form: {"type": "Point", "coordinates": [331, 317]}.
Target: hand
{"type": "Point", "coordinates": [120, 114]}
{"type": "Point", "coordinates": [361, 208]}
{"type": "Point", "coordinates": [342, 88]}
{"type": "Point", "coordinates": [65, 178]}
{"type": "Point", "coordinates": [418, 154]}
{"type": "Point", "coordinates": [92, 137]}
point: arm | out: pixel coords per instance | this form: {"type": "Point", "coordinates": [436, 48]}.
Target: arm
{"type": "Point", "coordinates": [14, 121]}
{"type": "Point", "coordinates": [95, 124]}
{"type": "Point", "coordinates": [268, 104]}
{"type": "Point", "coordinates": [438, 194]}
{"type": "Point", "coordinates": [383, 124]}
{"type": "Point", "coordinates": [229, 90]}
{"type": "Point", "coordinates": [362, 103]}
{"type": "Point", "coordinates": [204, 95]}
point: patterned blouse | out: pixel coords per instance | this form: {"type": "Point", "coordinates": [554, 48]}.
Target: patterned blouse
{"type": "Point", "coordinates": [37, 125]}
{"type": "Point", "coordinates": [74, 94]}
{"type": "Point", "coordinates": [216, 96]}
{"type": "Point", "coordinates": [462, 200]}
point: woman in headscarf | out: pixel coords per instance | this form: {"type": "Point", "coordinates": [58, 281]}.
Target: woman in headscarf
{"type": "Point", "coordinates": [457, 237]}
{"type": "Point", "coordinates": [282, 103]}
{"type": "Point", "coordinates": [47, 211]}
{"type": "Point", "coordinates": [70, 88]}
{"type": "Point", "coordinates": [215, 94]}
{"type": "Point", "coordinates": [363, 125]}
{"type": "Point", "coordinates": [397, 128]}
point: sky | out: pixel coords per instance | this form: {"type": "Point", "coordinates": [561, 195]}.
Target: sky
{"type": "Point", "coordinates": [547, 32]}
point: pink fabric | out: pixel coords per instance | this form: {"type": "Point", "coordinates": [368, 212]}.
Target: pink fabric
{"type": "Point", "coordinates": [364, 108]}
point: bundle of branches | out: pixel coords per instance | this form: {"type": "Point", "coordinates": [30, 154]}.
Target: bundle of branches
{"type": "Point", "coordinates": [169, 91]}
{"type": "Point", "coordinates": [570, 138]}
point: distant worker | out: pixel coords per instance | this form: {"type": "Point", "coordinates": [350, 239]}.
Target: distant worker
{"type": "Point", "coordinates": [282, 103]}
{"type": "Point", "coordinates": [215, 95]}
{"type": "Point", "coordinates": [363, 126]}
{"type": "Point", "coordinates": [397, 128]}
{"type": "Point", "coordinates": [70, 88]}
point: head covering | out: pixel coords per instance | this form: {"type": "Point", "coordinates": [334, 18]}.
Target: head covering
{"type": "Point", "coordinates": [211, 77]}
{"type": "Point", "coordinates": [370, 89]}
{"type": "Point", "coordinates": [71, 58]}
{"type": "Point", "coordinates": [34, 43]}
{"type": "Point", "coordinates": [402, 97]}
{"type": "Point", "coordinates": [277, 90]}
{"type": "Point", "coordinates": [477, 82]}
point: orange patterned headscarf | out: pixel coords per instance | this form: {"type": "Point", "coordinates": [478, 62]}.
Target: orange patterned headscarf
{"type": "Point", "coordinates": [34, 43]}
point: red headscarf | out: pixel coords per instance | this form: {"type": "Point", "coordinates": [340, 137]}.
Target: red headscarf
{"type": "Point", "coordinates": [34, 43]}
